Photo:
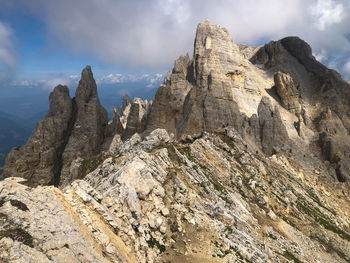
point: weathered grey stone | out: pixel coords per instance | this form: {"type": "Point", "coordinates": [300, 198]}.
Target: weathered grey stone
{"type": "Point", "coordinates": [89, 128]}
{"type": "Point", "coordinates": [287, 92]}
{"type": "Point", "coordinates": [39, 159]}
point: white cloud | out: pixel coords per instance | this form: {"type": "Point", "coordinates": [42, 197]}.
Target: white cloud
{"type": "Point", "coordinates": [7, 53]}
{"type": "Point", "coordinates": [153, 80]}
{"type": "Point", "coordinates": [148, 80]}
{"type": "Point", "coordinates": [327, 12]}
{"type": "Point", "coordinates": [321, 56]}
{"type": "Point", "coordinates": [47, 84]}
{"type": "Point", "coordinates": [154, 33]}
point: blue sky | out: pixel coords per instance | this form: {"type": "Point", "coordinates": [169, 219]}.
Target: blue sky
{"type": "Point", "coordinates": [45, 42]}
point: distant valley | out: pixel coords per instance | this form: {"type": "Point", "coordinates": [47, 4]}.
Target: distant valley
{"type": "Point", "coordinates": [22, 107]}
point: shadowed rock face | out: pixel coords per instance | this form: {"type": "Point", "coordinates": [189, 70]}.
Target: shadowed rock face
{"type": "Point", "coordinates": [38, 160]}
{"type": "Point", "coordinates": [72, 128]}
{"type": "Point", "coordinates": [321, 91]}
{"type": "Point", "coordinates": [89, 128]}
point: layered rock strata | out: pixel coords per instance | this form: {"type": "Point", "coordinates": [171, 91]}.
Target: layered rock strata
{"type": "Point", "coordinates": [73, 128]}
{"type": "Point", "coordinates": [161, 200]}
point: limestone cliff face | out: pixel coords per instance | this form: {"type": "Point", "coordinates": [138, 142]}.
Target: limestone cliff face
{"type": "Point", "coordinates": [162, 200]}
{"type": "Point", "coordinates": [38, 160]}
{"type": "Point", "coordinates": [72, 128]}
{"type": "Point", "coordinates": [278, 97]}
{"type": "Point", "coordinates": [262, 189]}
{"type": "Point", "coordinates": [323, 105]}
{"type": "Point", "coordinates": [218, 87]}
{"type": "Point", "coordinates": [131, 117]}
{"type": "Point", "coordinates": [89, 128]}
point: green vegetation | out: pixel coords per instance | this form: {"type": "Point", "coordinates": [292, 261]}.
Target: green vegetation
{"type": "Point", "coordinates": [19, 205]}
{"type": "Point", "coordinates": [316, 199]}
{"type": "Point", "coordinates": [3, 217]}
{"type": "Point", "coordinates": [89, 165]}
{"type": "Point", "coordinates": [152, 242]}
{"type": "Point", "coordinates": [320, 219]}
{"type": "Point", "coordinates": [229, 229]}
{"type": "Point", "coordinates": [290, 256]}
{"type": "Point", "coordinates": [18, 234]}
{"type": "Point", "coordinates": [2, 201]}
{"type": "Point", "coordinates": [186, 151]}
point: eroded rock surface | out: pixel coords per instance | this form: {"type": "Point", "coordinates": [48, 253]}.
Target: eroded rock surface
{"type": "Point", "coordinates": [73, 128]}
{"type": "Point", "coordinates": [159, 200]}
{"type": "Point", "coordinates": [38, 160]}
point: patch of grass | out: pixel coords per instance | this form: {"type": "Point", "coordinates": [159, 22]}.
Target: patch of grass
{"type": "Point", "coordinates": [18, 234]}
{"type": "Point", "coordinates": [2, 201]}
{"type": "Point", "coordinates": [290, 256]}
{"type": "Point", "coordinates": [89, 165]}
{"type": "Point", "coordinates": [320, 219]}
{"type": "Point", "coordinates": [317, 200]}
{"type": "Point", "coordinates": [229, 229]}
{"type": "Point", "coordinates": [285, 219]}
{"type": "Point", "coordinates": [19, 205]}
{"type": "Point", "coordinates": [3, 217]}
{"type": "Point", "coordinates": [190, 210]}
{"type": "Point", "coordinates": [152, 242]}
{"type": "Point", "coordinates": [217, 185]}
{"type": "Point", "coordinates": [186, 151]}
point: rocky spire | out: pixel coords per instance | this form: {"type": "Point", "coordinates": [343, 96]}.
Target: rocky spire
{"type": "Point", "coordinates": [73, 130]}
{"type": "Point", "coordinates": [38, 160]}
{"type": "Point", "coordinates": [89, 129]}
{"type": "Point", "coordinates": [125, 101]}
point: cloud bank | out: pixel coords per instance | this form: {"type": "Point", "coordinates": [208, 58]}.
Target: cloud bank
{"type": "Point", "coordinates": [150, 81]}
{"type": "Point", "coordinates": [153, 33]}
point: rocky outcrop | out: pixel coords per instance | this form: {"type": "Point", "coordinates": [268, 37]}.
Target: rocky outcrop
{"type": "Point", "coordinates": [287, 92]}
{"type": "Point", "coordinates": [136, 119]}
{"type": "Point", "coordinates": [36, 226]}
{"type": "Point", "coordinates": [218, 87]}
{"type": "Point", "coordinates": [39, 159]}
{"type": "Point", "coordinates": [324, 97]}
{"type": "Point", "coordinates": [272, 131]}
{"type": "Point", "coordinates": [162, 200]}
{"type": "Point", "coordinates": [131, 117]}
{"type": "Point", "coordinates": [89, 128]}
{"type": "Point", "coordinates": [73, 128]}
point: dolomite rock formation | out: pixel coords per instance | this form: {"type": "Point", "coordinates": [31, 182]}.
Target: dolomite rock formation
{"type": "Point", "coordinates": [237, 160]}
{"type": "Point", "coordinates": [131, 117]}
{"type": "Point", "coordinates": [218, 87]}
{"type": "Point", "coordinates": [323, 95]}
{"type": "Point", "coordinates": [72, 128]}
{"type": "Point", "coordinates": [161, 200]}
{"type": "Point", "coordinates": [89, 128]}
{"type": "Point", "coordinates": [287, 92]}
{"type": "Point", "coordinates": [38, 160]}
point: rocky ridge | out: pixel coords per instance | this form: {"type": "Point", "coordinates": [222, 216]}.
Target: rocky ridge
{"type": "Point", "coordinates": [162, 200]}
{"type": "Point", "coordinates": [243, 156]}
